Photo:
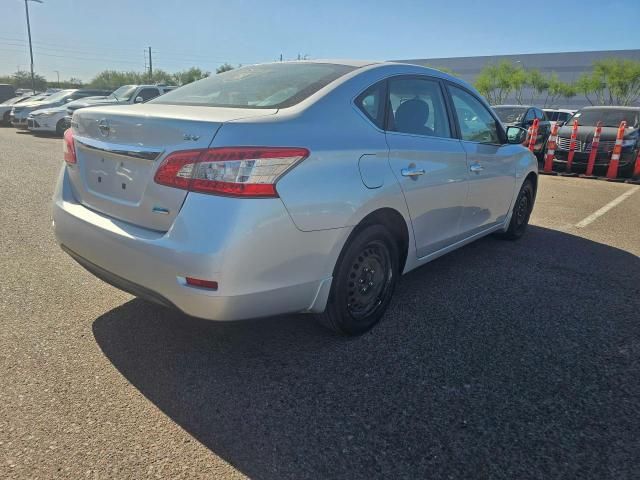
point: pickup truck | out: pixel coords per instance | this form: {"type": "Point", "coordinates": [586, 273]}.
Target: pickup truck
{"type": "Point", "coordinates": [125, 95]}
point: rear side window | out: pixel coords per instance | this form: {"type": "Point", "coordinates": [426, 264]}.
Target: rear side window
{"type": "Point", "coordinates": [475, 122]}
{"type": "Point", "coordinates": [371, 102]}
{"type": "Point", "coordinates": [148, 93]}
{"type": "Point", "coordinates": [274, 85]}
{"type": "Point", "coordinates": [417, 107]}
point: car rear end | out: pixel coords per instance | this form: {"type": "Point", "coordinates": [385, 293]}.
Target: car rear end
{"type": "Point", "coordinates": [153, 200]}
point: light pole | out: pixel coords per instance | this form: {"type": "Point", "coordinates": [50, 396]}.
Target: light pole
{"type": "Point", "coordinates": [26, 7]}
{"type": "Point", "coordinates": [58, 74]}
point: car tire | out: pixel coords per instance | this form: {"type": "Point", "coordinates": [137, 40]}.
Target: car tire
{"type": "Point", "coordinates": [364, 280]}
{"type": "Point", "coordinates": [60, 127]}
{"type": "Point", "coordinates": [521, 212]}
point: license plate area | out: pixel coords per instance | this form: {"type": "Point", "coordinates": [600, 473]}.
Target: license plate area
{"type": "Point", "coordinates": [113, 176]}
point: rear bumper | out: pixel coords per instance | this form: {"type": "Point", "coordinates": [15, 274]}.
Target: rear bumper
{"type": "Point", "coordinates": [263, 264]}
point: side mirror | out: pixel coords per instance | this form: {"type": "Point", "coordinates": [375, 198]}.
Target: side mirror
{"type": "Point", "coordinates": [516, 135]}
{"type": "Point", "coordinates": [138, 100]}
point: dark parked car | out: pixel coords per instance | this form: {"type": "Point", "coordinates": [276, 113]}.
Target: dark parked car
{"type": "Point", "coordinates": [610, 117]}
{"type": "Point", "coordinates": [6, 92]}
{"type": "Point", "coordinates": [523, 116]}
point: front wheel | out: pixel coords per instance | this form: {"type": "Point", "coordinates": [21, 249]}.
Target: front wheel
{"type": "Point", "coordinates": [60, 127]}
{"type": "Point", "coordinates": [521, 212]}
{"type": "Point", "coordinates": [363, 282]}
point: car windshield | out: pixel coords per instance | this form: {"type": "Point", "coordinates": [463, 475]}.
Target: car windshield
{"type": "Point", "coordinates": [275, 85]}
{"type": "Point", "coordinates": [510, 114]}
{"type": "Point", "coordinates": [56, 97]}
{"type": "Point", "coordinates": [608, 117]}
{"type": "Point", "coordinates": [11, 101]}
{"type": "Point", "coordinates": [124, 93]}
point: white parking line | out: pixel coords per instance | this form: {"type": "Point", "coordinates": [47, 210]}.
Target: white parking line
{"type": "Point", "coordinates": [616, 201]}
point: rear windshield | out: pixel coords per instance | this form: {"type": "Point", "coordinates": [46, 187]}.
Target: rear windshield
{"type": "Point", "coordinates": [608, 117]}
{"type": "Point", "coordinates": [274, 85]}
{"type": "Point", "coordinates": [510, 114]}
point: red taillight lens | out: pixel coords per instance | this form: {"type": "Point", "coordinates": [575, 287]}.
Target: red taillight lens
{"type": "Point", "coordinates": [234, 171]}
{"type": "Point", "coordinates": [198, 282]}
{"type": "Point", "coordinates": [69, 148]}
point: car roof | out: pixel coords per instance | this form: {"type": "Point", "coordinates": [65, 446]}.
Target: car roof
{"type": "Point", "coordinates": [611, 107]}
{"type": "Point", "coordinates": [346, 62]}
{"type": "Point", "coordinates": [514, 106]}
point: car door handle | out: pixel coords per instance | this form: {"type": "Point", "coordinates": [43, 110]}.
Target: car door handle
{"type": "Point", "coordinates": [412, 172]}
{"type": "Point", "coordinates": [476, 168]}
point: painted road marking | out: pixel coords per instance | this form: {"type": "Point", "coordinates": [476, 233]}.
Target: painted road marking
{"type": "Point", "coordinates": [616, 201]}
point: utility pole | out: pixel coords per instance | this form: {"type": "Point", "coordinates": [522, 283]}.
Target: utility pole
{"type": "Point", "coordinates": [33, 78]}
{"type": "Point", "coordinates": [58, 74]}
{"type": "Point", "coordinates": [150, 67]}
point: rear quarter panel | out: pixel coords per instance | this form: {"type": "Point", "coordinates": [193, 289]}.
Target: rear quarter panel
{"type": "Point", "coordinates": [326, 191]}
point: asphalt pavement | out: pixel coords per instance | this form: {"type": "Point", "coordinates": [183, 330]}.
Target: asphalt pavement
{"type": "Point", "coordinates": [500, 360]}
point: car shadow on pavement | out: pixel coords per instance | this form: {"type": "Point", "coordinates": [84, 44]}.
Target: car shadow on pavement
{"type": "Point", "coordinates": [499, 360]}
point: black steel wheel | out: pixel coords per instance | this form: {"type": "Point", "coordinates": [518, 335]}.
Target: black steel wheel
{"type": "Point", "coordinates": [363, 282]}
{"type": "Point", "coordinates": [521, 212]}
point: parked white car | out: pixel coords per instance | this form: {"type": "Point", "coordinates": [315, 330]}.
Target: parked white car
{"type": "Point", "coordinates": [19, 113]}
{"type": "Point", "coordinates": [48, 120]}
{"type": "Point", "coordinates": [7, 105]}
{"type": "Point", "coordinates": [125, 95]}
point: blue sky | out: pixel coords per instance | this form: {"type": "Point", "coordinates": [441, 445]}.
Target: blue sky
{"type": "Point", "coordinates": [81, 37]}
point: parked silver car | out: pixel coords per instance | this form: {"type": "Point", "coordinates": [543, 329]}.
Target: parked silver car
{"type": "Point", "coordinates": [289, 187]}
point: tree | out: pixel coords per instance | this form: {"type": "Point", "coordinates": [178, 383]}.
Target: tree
{"type": "Point", "coordinates": [190, 75]}
{"type": "Point", "coordinates": [621, 78]}
{"type": "Point", "coordinates": [589, 84]}
{"type": "Point", "coordinates": [613, 81]}
{"type": "Point", "coordinates": [22, 79]}
{"type": "Point", "coordinates": [75, 82]}
{"type": "Point", "coordinates": [495, 81]}
{"type": "Point", "coordinates": [225, 67]}
{"type": "Point", "coordinates": [538, 83]}
{"type": "Point", "coordinates": [519, 80]}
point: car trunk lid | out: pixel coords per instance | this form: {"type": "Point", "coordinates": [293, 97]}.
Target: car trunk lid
{"type": "Point", "coordinates": [119, 149]}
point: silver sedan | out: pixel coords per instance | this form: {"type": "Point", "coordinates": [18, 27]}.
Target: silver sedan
{"type": "Point", "coordinates": [289, 187]}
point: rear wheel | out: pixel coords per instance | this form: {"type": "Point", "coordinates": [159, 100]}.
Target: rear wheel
{"type": "Point", "coordinates": [363, 282]}
{"type": "Point", "coordinates": [521, 212]}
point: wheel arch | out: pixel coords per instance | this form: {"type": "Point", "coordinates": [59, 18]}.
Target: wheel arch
{"type": "Point", "coordinates": [391, 219]}
{"type": "Point", "coordinates": [534, 180]}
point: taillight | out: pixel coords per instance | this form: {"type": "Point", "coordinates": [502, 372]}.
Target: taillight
{"type": "Point", "coordinates": [198, 282]}
{"type": "Point", "coordinates": [233, 171]}
{"type": "Point", "coordinates": [69, 148]}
